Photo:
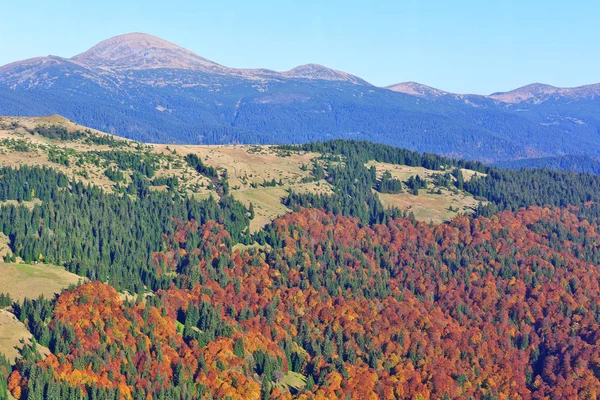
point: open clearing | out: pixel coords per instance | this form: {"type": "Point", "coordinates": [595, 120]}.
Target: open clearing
{"type": "Point", "coordinates": [267, 200]}
{"type": "Point", "coordinates": [292, 380]}
{"type": "Point", "coordinates": [248, 167]}
{"type": "Point", "coordinates": [431, 207]}
{"type": "Point", "coordinates": [32, 281]}
{"type": "Point", "coordinates": [428, 205]}
{"type": "Point", "coordinates": [29, 204]}
{"type": "Point", "coordinates": [4, 246]}
{"type": "Point", "coordinates": [250, 164]}
{"type": "Point", "coordinates": [12, 331]}
{"type": "Point", "coordinates": [13, 334]}
{"type": "Point", "coordinates": [23, 280]}
{"type": "Point", "coordinates": [404, 172]}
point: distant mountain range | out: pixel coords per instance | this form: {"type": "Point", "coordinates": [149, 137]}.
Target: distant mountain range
{"type": "Point", "coordinates": [536, 93]}
{"type": "Point", "coordinates": [145, 88]}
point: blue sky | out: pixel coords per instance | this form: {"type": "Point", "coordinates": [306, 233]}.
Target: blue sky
{"type": "Point", "coordinates": [460, 46]}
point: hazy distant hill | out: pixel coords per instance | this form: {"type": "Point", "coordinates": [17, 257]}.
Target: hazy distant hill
{"type": "Point", "coordinates": [145, 88]}
{"type": "Point", "coordinates": [570, 163]}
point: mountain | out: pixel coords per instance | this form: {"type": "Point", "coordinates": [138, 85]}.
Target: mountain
{"type": "Point", "coordinates": [141, 51]}
{"type": "Point", "coordinates": [319, 72]}
{"type": "Point", "coordinates": [538, 93]}
{"type": "Point", "coordinates": [145, 88]}
{"type": "Point", "coordinates": [138, 51]}
{"type": "Point", "coordinates": [534, 93]}
{"type": "Point", "coordinates": [417, 89]}
{"type": "Point", "coordinates": [120, 55]}
{"type": "Point", "coordinates": [558, 125]}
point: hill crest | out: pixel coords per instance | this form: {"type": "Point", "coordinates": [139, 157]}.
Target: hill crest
{"type": "Point", "coordinates": [143, 51]}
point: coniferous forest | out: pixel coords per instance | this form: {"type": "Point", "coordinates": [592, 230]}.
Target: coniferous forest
{"type": "Point", "coordinates": [342, 298]}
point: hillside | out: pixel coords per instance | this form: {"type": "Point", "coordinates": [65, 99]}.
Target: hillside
{"type": "Point", "coordinates": [569, 163]}
{"type": "Point", "coordinates": [261, 175]}
{"type": "Point", "coordinates": [323, 270]}
{"type": "Point", "coordinates": [145, 88]}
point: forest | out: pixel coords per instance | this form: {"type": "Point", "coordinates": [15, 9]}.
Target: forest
{"type": "Point", "coordinates": [219, 109]}
{"type": "Point", "coordinates": [498, 189]}
{"type": "Point", "coordinates": [106, 237]}
{"type": "Point", "coordinates": [577, 163]}
{"type": "Point", "coordinates": [342, 298]}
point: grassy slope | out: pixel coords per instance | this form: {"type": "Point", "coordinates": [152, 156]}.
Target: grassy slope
{"type": "Point", "coordinates": [13, 334]}
{"type": "Point", "coordinates": [248, 167]}
{"type": "Point", "coordinates": [12, 331]}
{"type": "Point", "coordinates": [32, 281]}
{"type": "Point", "coordinates": [428, 205]}
{"type": "Point", "coordinates": [23, 280]}
{"type": "Point", "coordinates": [267, 200]}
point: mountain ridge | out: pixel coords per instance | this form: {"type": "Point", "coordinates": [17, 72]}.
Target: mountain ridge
{"type": "Point", "coordinates": [142, 51]}
{"type": "Point", "coordinates": [539, 92]}
{"type": "Point", "coordinates": [533, 92]}
{"type": "Point", "coordinates": [148, 89]}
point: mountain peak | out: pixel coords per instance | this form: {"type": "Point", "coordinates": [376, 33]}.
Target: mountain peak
{"type": "Point", "coordinates": [142, 51]}
{"type": "Point", "coordinates": [539, 92]}
{"type": "Point", "coordinates": [533, 91]}
{"type": "Point", "coordinates": [316, 71]}
{"type": "Point", "coordinates": [416, 89]}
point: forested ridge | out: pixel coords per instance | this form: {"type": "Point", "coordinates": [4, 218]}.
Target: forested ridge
{"type": "Point", "coordinates": [342, 298]}
{"type": "Point", "coordinates": [193, 107]}
{"type": "Point", "coordinates": [486, 308]}
{"type": "Point", "coordinates": [504, 189]}
{"type": "Point", "coordinates": [106, 237]}
{"type": "Point", "coordinates": [576, 163]}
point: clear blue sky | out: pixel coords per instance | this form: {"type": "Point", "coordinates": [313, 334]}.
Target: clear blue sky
{"type": "Point", "coordinates": [478, 46]}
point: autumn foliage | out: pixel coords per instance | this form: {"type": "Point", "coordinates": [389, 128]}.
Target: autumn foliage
{"type": "Point", "coordinates": [501, 307]}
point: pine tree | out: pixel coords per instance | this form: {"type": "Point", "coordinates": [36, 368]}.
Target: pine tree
{"type": "Point", "coordinates": [238, 348]}
{"type": "Point", "coordinates": [265, 389]}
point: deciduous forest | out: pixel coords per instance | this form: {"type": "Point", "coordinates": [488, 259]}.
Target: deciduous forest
{"type": "Point", "coordinates": [342, 298]}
